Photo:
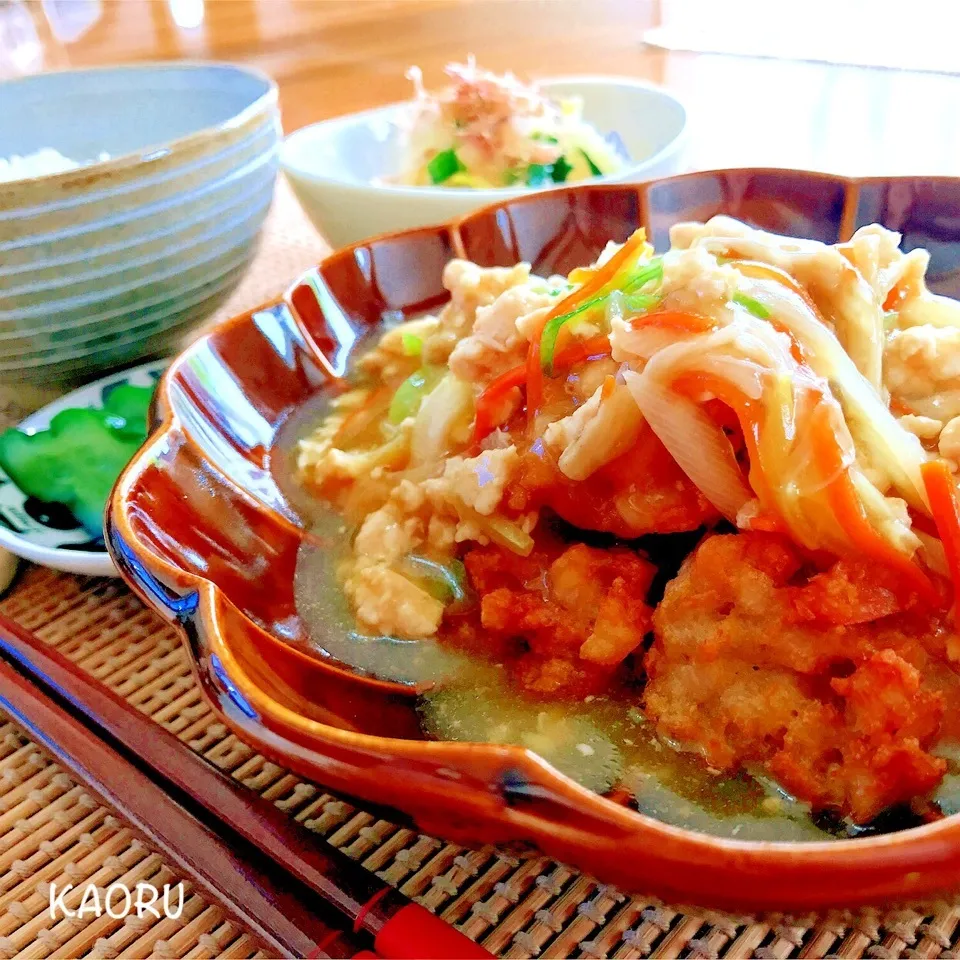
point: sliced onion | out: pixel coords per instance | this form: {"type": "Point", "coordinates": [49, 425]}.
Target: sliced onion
{"type": "Point", "coordinates": [886, 515]}
{"type": "Point", "coordinates": [859, 322]}
{"type": "Point", "coordinates": [887, 446]}
{"type": "Point", "coordinates": [746, 375]}
{"type": "Point", "coordinates": [698, 445]}
{"type": "Point", "coordinates": [642, 341]}
{"type": "Point", "coordinates": [442, 421]}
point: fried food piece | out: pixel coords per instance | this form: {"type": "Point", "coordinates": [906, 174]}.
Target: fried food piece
{"type": "Point", "coordinates": [580, 612]}
{"type": "Point", "coordinates": [641, 491]}
{"type": "Point", "coordinates": [834, 681]}
{"type": "Point", "coordinates": [551, 678]}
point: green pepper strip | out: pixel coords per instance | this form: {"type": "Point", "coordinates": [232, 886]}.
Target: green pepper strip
{"type": "Point", "coordinates": [752, 306]}
{"type": "Point", "coordinates": [446, 582]}
{"type": "Point", "coordinates": [444, 165]}
{"type": "Point", "coordinates": [411, 393]}
{"type": "Point", "coordinates": [548, 342]}
{"type": "Point", "coordinates": [641, 302]}
{"type": "Point", "coordinates": [650, 272]}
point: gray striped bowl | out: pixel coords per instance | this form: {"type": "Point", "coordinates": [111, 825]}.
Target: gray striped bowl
{"type": "Point", "coordinates": [116, 260]}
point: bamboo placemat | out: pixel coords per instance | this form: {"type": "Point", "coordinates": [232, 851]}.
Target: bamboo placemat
{"type": "Point", "coordinates": [49, 828]}
{"type": "Point", "coordinates": [52, 831]}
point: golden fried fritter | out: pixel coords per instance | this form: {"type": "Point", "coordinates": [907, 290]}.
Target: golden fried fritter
{"type": "Point", "coordinates": [834, 681]}
{"type": "Point", "coordinates": [579, 612]}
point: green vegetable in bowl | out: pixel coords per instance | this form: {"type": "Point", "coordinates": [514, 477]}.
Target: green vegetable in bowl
{"type": "Point", "coordinates": [77, 460]}
{"type": "Point", "coordinates": [561, 169]}
{"type": "Point", "coordinates": [541, 174]}
{"type": "Point", "coordinates": [444, 165]}
{"type": "Point", "coordinates": [594, 169]}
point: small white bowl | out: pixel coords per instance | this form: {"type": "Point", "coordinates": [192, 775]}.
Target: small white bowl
{"type": "Point", "coordinates": [337, 168]}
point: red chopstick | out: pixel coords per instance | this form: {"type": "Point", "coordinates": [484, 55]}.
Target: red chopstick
{"type": "Point", "coordinates": [400, 928]}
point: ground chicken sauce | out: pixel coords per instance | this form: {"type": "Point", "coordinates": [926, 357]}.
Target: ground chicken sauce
{"type": "Point", "coordinates": [762, 647]}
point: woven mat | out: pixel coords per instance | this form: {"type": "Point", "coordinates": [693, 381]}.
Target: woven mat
{"type": "Point", "coordinates": [51, 831]}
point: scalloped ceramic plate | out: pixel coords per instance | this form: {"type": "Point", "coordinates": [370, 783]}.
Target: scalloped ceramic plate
{"type": "Point", "coordinates": [200, 529]}
{"type": "Point", "coordinates": [49, 534]}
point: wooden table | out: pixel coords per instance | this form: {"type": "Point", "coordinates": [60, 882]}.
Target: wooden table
{"type": "Point", "coordinates": [335, 56]}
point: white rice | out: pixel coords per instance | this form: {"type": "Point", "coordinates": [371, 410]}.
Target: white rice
{"type": "Point", "coordinates": [38, 164]}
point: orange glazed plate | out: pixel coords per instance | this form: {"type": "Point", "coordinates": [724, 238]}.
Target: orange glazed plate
{"type": "Point", "coordinates": [202, 531]}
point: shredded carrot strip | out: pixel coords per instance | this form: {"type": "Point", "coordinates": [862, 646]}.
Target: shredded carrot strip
{"type": "Point", "coordinates": [675, 320]}
{"type": "Point", "coordinates": [842, 497]}
{"type": "Point", "coordinates": [581, 350]}
{"type": "Point", "coordinates": [945, 505]}
{"type": "Point", "coordinates": [766, 271]}
{"type": "Point", "coordinates": [570, 356]}
{"type": "Point", "coordinates": [840, 492]}
{"type": "Point", "coordinates": [905, 287]}
{"type": "Point", "coordinates": [593, 285]}
{"type": "Point", "coordinates": [695, 323]}
{"type": "Point", "coordinates": [767, 522]}
{"type": "Point", "coordinates": [487, 401]}
{"type": "Point", "coordinates": [609, 385]}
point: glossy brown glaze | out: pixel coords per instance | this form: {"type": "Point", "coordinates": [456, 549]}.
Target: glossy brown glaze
{"type": "Point", "coordinates": [202, 532]}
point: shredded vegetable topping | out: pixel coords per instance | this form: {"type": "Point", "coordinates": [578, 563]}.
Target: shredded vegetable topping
{"type": "Point", "coordinates": [768, 425]}
{"type": "Point", "coordinates": [486, 130]}
{"type": "Point", "coordinates": [593, 292]}
{"type": "Point", "coordinates": [778, 333]}
{"type": "Point", "coordinates": [945, 504]}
